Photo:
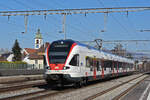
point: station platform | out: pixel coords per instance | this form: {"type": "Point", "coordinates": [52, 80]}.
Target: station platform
{"type": "Point", "coordinates": [140, 92]}
{"type": "Point", "coordinates": [19, 78]}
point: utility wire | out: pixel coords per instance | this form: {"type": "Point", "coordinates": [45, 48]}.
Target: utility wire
{"type": "Point", "coordinates": [60, 4]}
{"type": "Point", "coordinates": [73, 26]}
{"type": "Point", "coordinates": [125, 29]}
{"type": "Point", "coordinates": [129, 21]}
{"type": "Point", "coordinates": [55, 19]}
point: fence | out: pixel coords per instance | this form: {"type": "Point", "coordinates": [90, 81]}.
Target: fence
{"type": "Point", "coordinates": [20, 66]}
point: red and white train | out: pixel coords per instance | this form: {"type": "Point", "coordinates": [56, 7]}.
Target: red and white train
{"type": "Point", "coordinates": [68, 61]}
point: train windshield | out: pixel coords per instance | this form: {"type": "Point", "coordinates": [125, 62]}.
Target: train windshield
{"type": "Point", "coordinates": [59, 51]}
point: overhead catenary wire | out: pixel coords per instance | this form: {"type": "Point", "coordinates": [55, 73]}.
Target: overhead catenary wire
{"type": "Point", "coordinates": [83, 20]}
{"type": "Point", "coordinates": [125, 29]}
{"type": "Point", "coordinates": [55, 19]}
{"type": "Point", "coordinates": [129, 21]}
{"type": "Point", "coordinates": [73, 11]}
{"type": "Point", "coordinates": [68, 11]}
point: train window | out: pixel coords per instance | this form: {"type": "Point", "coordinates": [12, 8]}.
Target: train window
{"type": "Point", "coordinates": [116, 64]}
{"type": "Point", "coordinates": [58, 51]}
{"type": "Point", "coordinates": [87, 62]}
{"type": "Point", "coordinates": [111, 64]}
{"type": "Point", "coordinates": [98, 65]}
{"type": "Point", "coordinates": [123, 65]}
{"type": "Point", "coordinates": [75, 60]}
{"type": "Point", "coordinates": [107, 64]}
{"type": "Point", "coordinates": [120, 65]}
{"type": "Point", "coordinates": [91, 64]}
{"type": "Point", "coordinates": [131, 66]}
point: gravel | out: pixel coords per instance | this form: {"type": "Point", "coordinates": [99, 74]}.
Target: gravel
{"type": "Point", "coordinates": [19, 92]}
{"type": "Point", "coordinates": [83, 93]}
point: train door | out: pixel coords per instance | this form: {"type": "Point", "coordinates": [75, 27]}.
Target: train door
{"type": "Point", "coordinates": [113, 68]}
{"type": "Point", "coordinates": [102, 71]}
{"type": "Point", "coordinates": [81, 63]}
{"type": "Point", "coordinates": [98, 67]}
{"type": "Point", "coordinates": [94, 68]}
{"type": "Point", "coordinates": [106, 66]}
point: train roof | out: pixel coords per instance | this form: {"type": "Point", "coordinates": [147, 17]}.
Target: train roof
{"type": "Point", "coordinates": [105, 55]}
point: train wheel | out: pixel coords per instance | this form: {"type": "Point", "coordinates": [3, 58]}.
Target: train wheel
{"type": "Point", "coordinates": [78, 84]}
{"type": "Point", "coordinates": [85, 82]}
{"type": "Point", "coordinates": [60, 86]}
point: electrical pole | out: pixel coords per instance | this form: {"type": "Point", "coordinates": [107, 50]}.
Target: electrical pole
{"type": "Point", "coordinates": [64, 26]}
{"type": "Point", "coordinates": [26, 23]}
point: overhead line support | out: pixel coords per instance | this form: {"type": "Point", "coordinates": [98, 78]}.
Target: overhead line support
{"type": "Point", "coordinates": [73, 11]}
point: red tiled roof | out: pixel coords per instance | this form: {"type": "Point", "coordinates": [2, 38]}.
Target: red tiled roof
{"type": "Point", "coordinates": [35, 56]}
{"type": "Point", "coordinates": [37, 53]}
{"type": "Point", "coordinates": [29, 50]}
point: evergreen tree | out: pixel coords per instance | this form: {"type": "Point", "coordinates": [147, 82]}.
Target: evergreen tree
{"type": "Point", "coordinates": [17, 51]}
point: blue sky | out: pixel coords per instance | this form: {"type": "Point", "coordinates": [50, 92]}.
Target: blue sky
{"type": "Point", "coordinates": [119, 26]}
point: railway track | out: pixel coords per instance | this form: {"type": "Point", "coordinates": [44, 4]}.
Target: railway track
{"type": "Point", "coordinates": [28, 95]}
{"type": "Point", "coordinates": [39, 97]}
{"type": "Point", "coordinates": [22, 85]}
{"type": "Point", "coordinates": [38, 94]}
{"type": "Point", "coordinates": [107, 91]}
{"type": "Point", "coordinates": [49, 93]}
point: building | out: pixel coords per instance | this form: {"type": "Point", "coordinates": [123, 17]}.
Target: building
{"type": "Point", "coordinates": [35, 56]}
{"type": "Point", "coordinates": [32, 56]}
{"type": "Point", "coordinates": [38, 40]}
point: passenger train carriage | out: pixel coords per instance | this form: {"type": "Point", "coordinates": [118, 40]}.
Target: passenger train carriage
{"type": "Point", "coordinates": [68, 61]}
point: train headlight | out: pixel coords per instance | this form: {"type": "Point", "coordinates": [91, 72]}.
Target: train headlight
{"type": "Point", "coordinates": [48, 67]}
{"type": "Point", "coordinates": [66, 67]}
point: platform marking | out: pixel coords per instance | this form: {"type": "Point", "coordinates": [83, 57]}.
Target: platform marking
{"type": "Point", "coordinates": [148, 97]}
{"type": "Point", "coordinates": [144, 93]}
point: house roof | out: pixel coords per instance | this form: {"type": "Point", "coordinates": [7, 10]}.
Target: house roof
{"type": "Point", "coordinates": [37, 53]}
{"type": "Point", "coordinates": [30, 50]}
{"type": "Point", "coordinates": [35, 56]}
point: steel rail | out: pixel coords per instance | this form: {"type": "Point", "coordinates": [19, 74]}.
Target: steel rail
{"type": "Point", "coordinates": [22, 86]}
{"type": "Point", "coordinates": [129, 89]}
{"type": "Point", "coordinates": [18, 97]}
{"type": "Point", "coordinates": [40, 97]}
{"type": "Point", "coordinates": [110, 89]}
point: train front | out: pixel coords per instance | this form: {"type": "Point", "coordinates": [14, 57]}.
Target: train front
{"type": "Point", "coordinates": [57, 55]}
